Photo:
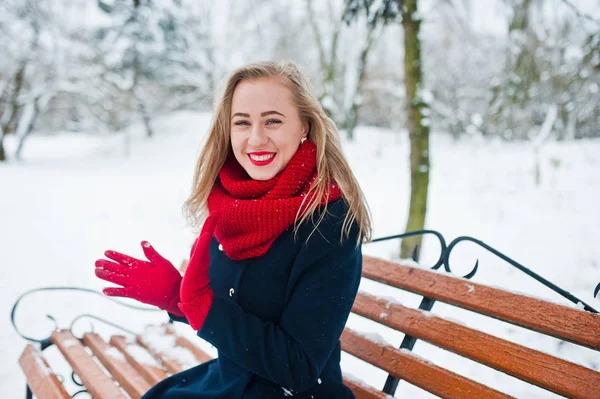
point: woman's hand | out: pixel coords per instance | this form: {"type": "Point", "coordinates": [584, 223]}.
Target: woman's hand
{"type": "Point", "coordinates": [155, 281]}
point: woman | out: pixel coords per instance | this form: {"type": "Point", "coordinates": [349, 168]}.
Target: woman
{"type": "Point", "coordinates": [276, 267]}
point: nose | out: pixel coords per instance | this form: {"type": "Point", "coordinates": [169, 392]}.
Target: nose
{"type": "Point", "coordinates": [258, 136]}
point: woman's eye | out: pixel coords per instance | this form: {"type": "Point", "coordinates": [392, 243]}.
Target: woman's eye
{"type": "Point", "coordinates": [273, 121]}
{"type": "Point", "coordinates": [238, 123]}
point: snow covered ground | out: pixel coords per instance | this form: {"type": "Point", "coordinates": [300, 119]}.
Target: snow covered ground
{"type": "Point", "coordinates": [73, 196]}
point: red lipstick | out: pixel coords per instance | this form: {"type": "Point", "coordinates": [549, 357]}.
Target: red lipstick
{"type": "Point", "coordinates": [266, 157]}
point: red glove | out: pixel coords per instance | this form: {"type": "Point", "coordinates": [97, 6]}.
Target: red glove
{"type": "Point", "coordinates": [196, 294]}
{"type": "Point", "coordinates": [155, 282]}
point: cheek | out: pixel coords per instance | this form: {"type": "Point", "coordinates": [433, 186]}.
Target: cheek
{"type": "Point", "coordinates": [236, 142]}
{"type": "Point", "coordinates": [287, 150]}
{"type": "Point", "coordinates": [237, 146]}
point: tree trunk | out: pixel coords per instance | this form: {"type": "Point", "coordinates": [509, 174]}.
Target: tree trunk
{"type": "Point", "coordinates": [327, 98]}
{"type": "Point", "coordinates": [139, 97]}
{"type": "Point", "coordinates": [352, 115]}
{"type": "Point", "coordinates": [137, 75]}
{"type": "Point", "coordinates": [145, 118]}
{"type": "Point", "coordinates": [521, 73]}
{"type": "Point", "coordinates": [11, 113]}
{"type": "Point", "coordinates": [327, 61]}
{"type": "Point", "coordinates": [418, 132]}
{"type": "Point", "coordinates": [26, 125]}
{"type": "Point", "coordinates": [2, 152]}
{"type": "Point", "coordinates": [520, 20]}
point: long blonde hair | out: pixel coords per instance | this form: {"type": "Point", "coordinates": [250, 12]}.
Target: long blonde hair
{"type": "Point", "coordinates": [331, 164]}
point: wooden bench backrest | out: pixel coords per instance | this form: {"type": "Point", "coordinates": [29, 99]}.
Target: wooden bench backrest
{"type": "Point", "coordinates": [569, 324]}
{"type": "Point", "coordinates": [546, 371]}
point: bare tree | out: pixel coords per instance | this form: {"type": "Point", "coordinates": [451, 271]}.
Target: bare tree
{"type": "Point", "coordinates": [353, 107]}
{"type": "Point", "coordinates": [417, 129]}
{"type": "Point", "coordinates": [2, 151]}
{"type": "Point", "coordinates": [328, 57]}
{"type": "Point", "coordinates": [32, 85]}
{"type": "Point", "coordinates": [137, 71]}
{"type": "Point", "coordinates": [547, 65]}
{"type": "Point", "coordinates": [416, 107]}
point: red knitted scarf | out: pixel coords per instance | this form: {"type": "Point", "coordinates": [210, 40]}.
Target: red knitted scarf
{"type": "Point", "coordinates": [249, 215]}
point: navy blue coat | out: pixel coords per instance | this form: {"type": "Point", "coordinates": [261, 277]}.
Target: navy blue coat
{"type": "Point", "coordinates": [276, 320]}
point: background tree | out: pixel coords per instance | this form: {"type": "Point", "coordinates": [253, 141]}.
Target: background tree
{"type": "Point", "coordinates": [151, 51]}
{"type": "Point", "coordinates": [372, 15]}
{"type": "Point", "coordinates": [418, 127]}
{"type": "Point", "coordinates": [99, 67]}
{"type": "Point", "coordinates": [328, 56]}
{"type": "Point", "coordinates": [34, 81]}
{"type": "Point", "coordinates": [416, 108]}
{"type": "Point", "coordinates": [544, 70]}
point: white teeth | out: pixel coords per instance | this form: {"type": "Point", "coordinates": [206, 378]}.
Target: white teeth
{"type": "Point", "coordinates": [261, 157]}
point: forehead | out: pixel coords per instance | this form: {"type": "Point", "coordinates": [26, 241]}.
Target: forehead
{"type": "Point", "coordinates": [259, 94]}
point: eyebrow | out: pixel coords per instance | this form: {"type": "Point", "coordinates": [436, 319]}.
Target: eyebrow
{"type": "Point", "coordinates": [262, 114]}
{"type": "Point", "coordinates": [271, 113]}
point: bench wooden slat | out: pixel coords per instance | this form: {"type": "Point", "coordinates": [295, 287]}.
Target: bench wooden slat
{"type": "Point", "coordinates": [98, 384]}
{"type": "Point", "coordinates": [152, 373]}
{"type": "Point", "coordinates": [546, 371]}
{"type": "Point", "coordinates": [198, 353]}
{"type": "Point", "coordinates": [429, 377]}
{"type": "Point", "coordinates": [172, 365]}
{"type": "Point", "coordinates": [573, 325]}
{"type": "Point", "coordinates": [160, 351]}
{"type": "Point", "coordinates": [41, 380]}
{"type": "Point", "coordinates": [131, 381]}
{"type": "Point", "coordinates": [363, 391]}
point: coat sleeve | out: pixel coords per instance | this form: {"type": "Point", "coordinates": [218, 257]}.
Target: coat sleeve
{"type": "Point", "coordinates": [293, 352]}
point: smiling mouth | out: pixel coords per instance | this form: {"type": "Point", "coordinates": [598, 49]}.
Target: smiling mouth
{"type": "Point", "coordinates": [262, 158]}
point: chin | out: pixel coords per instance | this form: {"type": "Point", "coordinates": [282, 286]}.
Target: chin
{"type": "Point", "coordinates": [260, 174]}
{"type": "Point", "coordinates": [261, 178]}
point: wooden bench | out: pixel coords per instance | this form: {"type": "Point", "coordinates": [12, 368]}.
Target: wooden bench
{"type": "Point", "coordinates": [128, 367]}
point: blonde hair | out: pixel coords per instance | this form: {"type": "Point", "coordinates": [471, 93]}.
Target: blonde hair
{"type": "Point", "coordinates": [331, 164]}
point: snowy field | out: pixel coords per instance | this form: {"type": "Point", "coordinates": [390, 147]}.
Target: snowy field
{"type": "Point", "coordinates": [72, 197]}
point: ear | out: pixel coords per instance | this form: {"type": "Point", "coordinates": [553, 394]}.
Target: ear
{"type": "Point", "coordinates": [305, 129]}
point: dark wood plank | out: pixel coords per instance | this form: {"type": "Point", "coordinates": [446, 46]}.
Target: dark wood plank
{"type": "Point", "coordinates": [183, 342]}
{"type": "Point", "coordinates": [172, 365]}
{"type": "Point", "coordinates": [425, 375]}
{"type": "Point", "coordinates": [198, 353]}
{"type": "Point", "coordinates": [183, 267]}
{"type": "Point", "coordinates": [152, 373]}
{"type": "Point", "coordinates": [98, 384]}
{"type": "Point", "coordinates": [569, 324]}
{"type": "Point", "coordinates": [362, 391]}
{"type": "Point", "coordinates": [551, 373]}
{"type": "Point", "coordinates": [40, 378]}
{"type": "Point", "coordinates": [130, 380]}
